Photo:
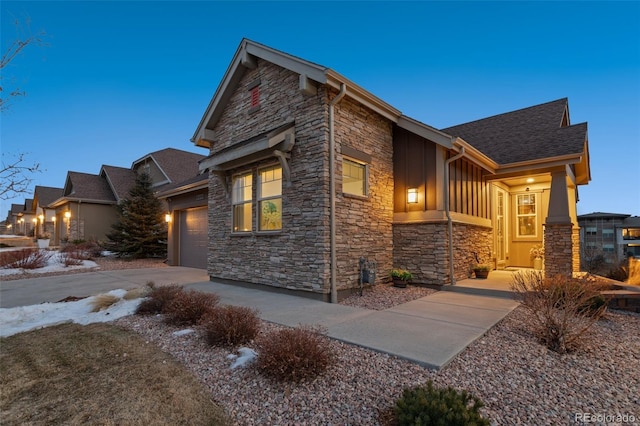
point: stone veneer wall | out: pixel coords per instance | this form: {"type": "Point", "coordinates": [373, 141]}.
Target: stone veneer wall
{"type": "Point", "coordinates": [297, 257]}
{"type": "Point", "coordinates": [364, 224]}
{"type": "Point", "coordinates": [575, 249]}
{"type": "Point", "coordinates": [559, 255]}
{"type": "Point", "coordinates": [422, 248]}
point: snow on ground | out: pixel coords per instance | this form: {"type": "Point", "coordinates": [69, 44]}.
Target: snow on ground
{"type": "Point", "coordinates": [54, 264]}
{"type": "Point", "coordinates": [25, 318]}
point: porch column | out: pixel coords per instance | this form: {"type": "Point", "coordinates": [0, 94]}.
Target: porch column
{"type": "Point", "coordinates": [558, 229]}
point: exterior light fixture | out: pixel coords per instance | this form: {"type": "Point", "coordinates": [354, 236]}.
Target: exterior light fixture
{"type": "Point", "coordinates": [530, 180]}
{"type": "Point", "coordinates": [41, 217]}
{"type": "Point", "coordinates": [53, 218]}
{"type": "Point", "coordinates": [34, 220]}
{"type": "Point", "coordinates": [167, 217]}
{"type": "Point", "coordinates": [67, 214]}
{"type": "Point", "coordinates": [412, 195]}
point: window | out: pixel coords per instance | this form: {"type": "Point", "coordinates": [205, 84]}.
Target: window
{"type": "Point", "coordinates": [354, 177]}
{"type": "Point", "coordinates": [607, 248]}
{"type": "Point", "coordinates": [592, 230]}
{"type": "Point", "coordinates": [527, 219]}
{"type": "Point", "coordinates": [607, 233]}
{"type": "Point", "coordinates": [270, 199]}
{"type": "Point", "coordinates": [241, 201]}
{"type": "Point", "coordinates": [631, 234]}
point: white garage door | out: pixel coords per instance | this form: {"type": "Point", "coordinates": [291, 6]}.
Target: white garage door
{"type": "Point", "coordinates": [193, 238]}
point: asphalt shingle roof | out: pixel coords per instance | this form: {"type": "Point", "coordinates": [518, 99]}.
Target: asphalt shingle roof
{"type": "Point", "coordinates": [47, 194]}
{"type": "Point", "coordinates": [526, 134]}
{"type": "Point", "coordinates": [178, 165]}
{"type": "Point", "coordinates": [121, 179]}
{"type": "Point", "coordinates": [88, 187]}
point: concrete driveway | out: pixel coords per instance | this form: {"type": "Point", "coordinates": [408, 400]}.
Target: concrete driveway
{"type": "Point", "coordinates": [52, 289]}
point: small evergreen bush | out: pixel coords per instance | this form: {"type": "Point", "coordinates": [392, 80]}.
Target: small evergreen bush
{"type": "Point", "coordinates": [230, 325]}
{"type": "Point", "coordinates": [428, 405]}
{"type": "Point", "coordinates": [157, 299]}
{"type": "Point", "coordinates": [187, 307]}
{"type": "Point", "coordinates": [293, 354]}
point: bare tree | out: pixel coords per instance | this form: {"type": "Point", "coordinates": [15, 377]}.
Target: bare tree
{"type": "Point", "coordinates": [14, 175]}
{"type": "Point", "coordinates": [24, 38]}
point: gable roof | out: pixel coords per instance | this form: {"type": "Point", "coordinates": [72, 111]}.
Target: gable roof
{"type": "Point", "coordinates": [176, 165]}
{"type": "Point", "coordinates": [537, 133]}
{"type": "Point", "coordinates": [16, 209]}
{"type": "Point", "coordinates": [119, 179]}
{"type": "Point", "coordinates": [45, 195]}
{"type": "Point", "coordinates": [87, 188]}
{"type": "Point", "coordinates": [309, 72]}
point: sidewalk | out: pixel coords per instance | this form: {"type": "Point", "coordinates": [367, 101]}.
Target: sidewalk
{"type": "Point", "coordinates": [430, 331]}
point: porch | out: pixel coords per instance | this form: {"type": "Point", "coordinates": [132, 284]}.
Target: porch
{"type": "Point", "coordinates": [497, 284]}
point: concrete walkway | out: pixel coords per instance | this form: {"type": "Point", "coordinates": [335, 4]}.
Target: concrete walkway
{"type": "Point", "coordinates": [430, 331]}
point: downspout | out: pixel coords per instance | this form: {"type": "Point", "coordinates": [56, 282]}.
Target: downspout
{"type": "Point", "coordinates": [332, 191]}
{"type": "Point", "coordinates": [446, 209]}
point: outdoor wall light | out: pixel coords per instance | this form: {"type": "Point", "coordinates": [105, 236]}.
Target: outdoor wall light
{"type": "Point", "coordinates": [41, 217]}
{"type": "Point", "coordinates": [34, 220]}
{"type": "Point", "coordinates": [412, 195]}
{"type": "Point", "coordinates": [53, 218]}
{"type": "Point", "coordinates": [167, 217]}
{"type": "Point", "coordinates": [67, 214]}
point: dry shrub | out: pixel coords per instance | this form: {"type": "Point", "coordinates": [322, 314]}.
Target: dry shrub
{"type": "Point", "coordinates": [69, 259]}
{"type": "Point", "coordinates": [30, 258]}
{"type": "Point", "coordinates": [103, 301]}
{"type": "Point", "coordinates": [187, 307]}
{"type": "Point", "coordinates": [84, 250]}
{"type": "Point", "coordinates": [293, 354]}
{"type": "Point", "coordinates": [562, 308]}
{"type": "Point", "coordinates": [134, 293]}
{"type": "Point", "coordinates": [230, 325]}
{"type": "Point", "coordinates": [158, 298]}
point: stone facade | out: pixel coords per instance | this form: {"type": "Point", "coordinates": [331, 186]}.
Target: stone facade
{"type": "Point", "coordinates": [298, 257]}
{"type": "Point", "coordinates": [422, 248]}
{"type": "Point", "coordinates": [575, 248]}
{"type": "Point", "coordinates": [558, 238]}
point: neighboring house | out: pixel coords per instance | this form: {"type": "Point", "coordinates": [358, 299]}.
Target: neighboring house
{"type": "Point", "coordinates": [309, 173]}
{"type": "Point", "coordinates": [15, 220]}
{"type": "Point", "coordinates": [46, 216]}
{"type": "Point", "coordinates": [86, 210]}
{"type": "Point", "coordinates": [615, 236]}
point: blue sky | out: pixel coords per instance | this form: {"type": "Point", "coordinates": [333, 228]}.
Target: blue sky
{"type": "Point", "coordinates": [122, 79]}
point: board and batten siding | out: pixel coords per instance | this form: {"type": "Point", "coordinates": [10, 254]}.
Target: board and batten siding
{"type": "Point", "coordinates": [468, 189]}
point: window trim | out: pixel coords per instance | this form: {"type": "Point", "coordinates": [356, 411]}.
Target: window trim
{"type": "Point", "coordinates": [260, 199]}
{"type": "Point", "coordinates": [535, 215]}
{"type": "Point", "coordinates": [234, 203]}
{"type": "Point", "coordinates": [365, 165]}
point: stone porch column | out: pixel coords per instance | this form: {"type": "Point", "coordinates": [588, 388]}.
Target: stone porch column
{"type": "Point", "coordinates": [558, 229]}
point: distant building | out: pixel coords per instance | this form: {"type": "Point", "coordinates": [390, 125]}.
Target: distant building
{"type": "Point", "coordinates": [613, 235]}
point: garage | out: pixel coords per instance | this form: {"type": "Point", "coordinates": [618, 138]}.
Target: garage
{"type": "Point", "coordinates": [193, 238]}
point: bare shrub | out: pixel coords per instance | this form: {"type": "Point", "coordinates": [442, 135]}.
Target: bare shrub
{"type": "Point", "coordinates": [30, 258]}
{"type": "Point", "coordinates": [158, 298]}
{"type": "Point", "coordinates": [84, 250]}
{"type": "Point", "coordinates": [563, 308]}
{"type": "Point", "coordinates": [103, 301]}
{"type": "Point", "coordinates": [294, 354]}
{"type": "Point", "coordinates": [69, 259]}
{"type": "Point", "coordinates": [187, 307]}
{"type": "Point", "coordinates": [230, 325]}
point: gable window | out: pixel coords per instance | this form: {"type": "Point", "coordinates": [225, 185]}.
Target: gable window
{"type": "Point", "coordinates": [241, 202]}
{"type": "Point", "coordinates": [354, 177]}
{"type": "Point", "coordinates": [270, 199]}
{"type": "Point", "coordinates": [526, 215]}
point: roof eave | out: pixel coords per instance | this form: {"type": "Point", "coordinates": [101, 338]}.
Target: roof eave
{"type": "Point", "coordinates": [184, 189]}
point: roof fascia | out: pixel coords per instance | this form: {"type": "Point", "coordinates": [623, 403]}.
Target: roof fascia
{"type": "Point", "coordinates": [64, 200]}
{"type": "Point", "coordinates": [243, 60]}
{"type": "Point", "coordinates": [184, 189]}
{"type": "Point", "coordinates": [476, 156]}
{"type": "Point", "coordinates": [541, 164]}
{"type": "Point", "coordinates": [361, 95]}
{"type": "Point", "coordinates": [425, 131]}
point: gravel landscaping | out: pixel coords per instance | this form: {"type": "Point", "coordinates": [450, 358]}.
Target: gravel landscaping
{"type": "Point", "coordinates": [519, 380]}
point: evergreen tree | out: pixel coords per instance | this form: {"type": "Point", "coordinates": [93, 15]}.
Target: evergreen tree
{"type": "Point", "coordinates": [140, 231]}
